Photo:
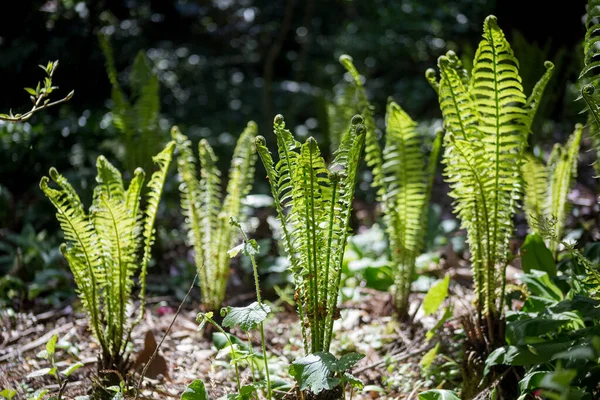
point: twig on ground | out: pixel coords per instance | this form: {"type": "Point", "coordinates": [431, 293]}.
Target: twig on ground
{"type": "Point", "coordinates": [400, 357]}
{"type": "Point", "coordinates": [155, 353]}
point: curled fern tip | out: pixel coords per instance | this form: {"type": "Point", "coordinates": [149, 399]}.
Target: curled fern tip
{"type": "Point", "coordinates": [357, 119]}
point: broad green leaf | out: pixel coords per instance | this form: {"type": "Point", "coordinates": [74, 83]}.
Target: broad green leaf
{"type": "Point", "coordinates": [353, 381]}
{"type": "Point", "coordinates": [195, 391]}
{"type": "Point", "coordinates": [313, 372]}
{"type": "Point", "coordinates": [347, 361]}
{"type": "Point", "coordinates": [220, 340]}
{"type": "Point", "coordinates": [448, 312]}
{"type": "Point", "coordinates": [69, 370]}
{"type": "Point", "coordinates": [31, 91]}
{"type": "Point", "coordinates": [429, 357]}
{"type": "Point", "coordinates": [535, 255]}
{"type": "Point", "coordinates": [438, 394]}
{"type": "Point", "coordinates": [519, 332]}
{"type": "Point", "coordinates": [540, 284]}
{"type": "Point", "coordinates": [246, 317]}
{"type": "Point", "coordinates": [530, 354]}
{"type": "Point", "coordinates": [436, 295]}
{"type": "Point", "coordinates": [39, 372]}
{"type": "Point", "coordinates": [558, 380]}
{"type": "Point", "coordinates": [532, 381]}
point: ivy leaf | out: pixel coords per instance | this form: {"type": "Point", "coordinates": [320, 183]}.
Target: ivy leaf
{"type": "Point", "coordinates": [69, 370]}
{"type": "Point", "coordinates": [438, 394]}
{"type": "Point", "coordinates": [39, 372]}
{"type": "Point", "coordinates": [436, 295]}
{"type": "Point", "coordinates": [195, 391]}
{"type": "Point", "coordinates": [535, 255]}
{"type": "Point", "coordinates": [246, 317]}
{"type": "Point", "coordinates": [313, 372]}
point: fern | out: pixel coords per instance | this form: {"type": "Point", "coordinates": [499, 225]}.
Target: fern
{"type": "Point", "coordinates": [487, 118]}
{"type": "Point", "coordinates": [403, 178]}
{"type": "Point", "coordinates": [535, 174]}
{"type": "Point", "coordinates": [547, 186]}
{"type": "Point", "coordinates": [103, 248]}
{"type": "Point", "coordinates": [136, 119]}
{"type": "Point", "coordinates": [591, 64]}
{"type": "Point", "coordinates": [207, 213]}
{"type": "Point", "coordinates": [313, 203]}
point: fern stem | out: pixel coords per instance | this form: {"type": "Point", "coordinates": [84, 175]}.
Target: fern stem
{"type": "Point", "coordinates": [326, 333]}
{"type": "Point", "coordinates": [261, 325]}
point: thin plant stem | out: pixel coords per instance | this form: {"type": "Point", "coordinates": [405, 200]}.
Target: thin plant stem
{"type": "Point", "coordinates": [261, 325]}
{"type": "Point", "coordinates": [155, 353]}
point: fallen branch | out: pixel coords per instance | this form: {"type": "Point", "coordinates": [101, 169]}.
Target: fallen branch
{"type": "Point", "coordinates": [155, 353]}
{"type": "Point", "coordinates": [400, 357]}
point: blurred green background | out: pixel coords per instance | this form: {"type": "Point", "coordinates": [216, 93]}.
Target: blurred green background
{"type": "Point", "coordinates": [220, 63]}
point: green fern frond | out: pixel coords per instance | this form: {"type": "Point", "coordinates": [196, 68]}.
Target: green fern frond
{"type": "Point", "coordinates": [373, 156]}
{"type": "Point", "coordinates": [408, 179]}
{"type": "Point", "coordinates": [591, 40]}
{"type": "Point", "coordinates": [487, 123]}
{"type": "Point", "coordinates": [103, 247]}
{"type": "Point", "coordinates": [153, 194]}
{"type": "Point", "coordinates": [241, 176]}
{"type": "Point", "coordinates": [535, 175]}
{"type": "Point", "coordinates": [135, 118]}
{"type": "Point", "coordinates": [189, 189]}
{"type": "Point", "coordinates": [313, 203]}
{"type": "Point", "coordinates": [533, 101]}
{"type": "Point", "coordinates": [207, 213]}
{"type": "Point", "coordinates": [562, 169]}
{"type": "Point", "coordinates": [80, 249]}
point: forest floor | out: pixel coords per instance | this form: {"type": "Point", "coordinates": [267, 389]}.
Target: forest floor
{"type": "Point", "coordinates": [390, 368]}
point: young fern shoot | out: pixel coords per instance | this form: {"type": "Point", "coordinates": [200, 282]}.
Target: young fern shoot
{"type": "Point", "coordinates": [313, 203]}
{"type": "Point", "coordinates": [404, 177]}
{"type": "Point", "coordinates": [487, 118]}
{"type": "Point", "coordinates": [207, 213]}
{"type": "Point", "coordinates": [547, 186]}
{"type": "Point", "coordinates": [108, 246]}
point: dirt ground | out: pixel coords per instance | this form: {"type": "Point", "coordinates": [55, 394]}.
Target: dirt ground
{"type": "Point", "coordinates": [391, 363]}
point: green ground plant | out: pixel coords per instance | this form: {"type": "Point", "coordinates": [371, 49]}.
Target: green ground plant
{"type": "Point", "coordinates": [403, 176]}
{"type": "Point", "coordinates": [107, 246]}
{"type": "Point", "coordinates": [313, 203]}
{"type": "Point", "coordinates": [547, 186]}
{"type": "Point", "coordinates": [207, 213]}
{"type": "Point", "coordinates": [62, 377]}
